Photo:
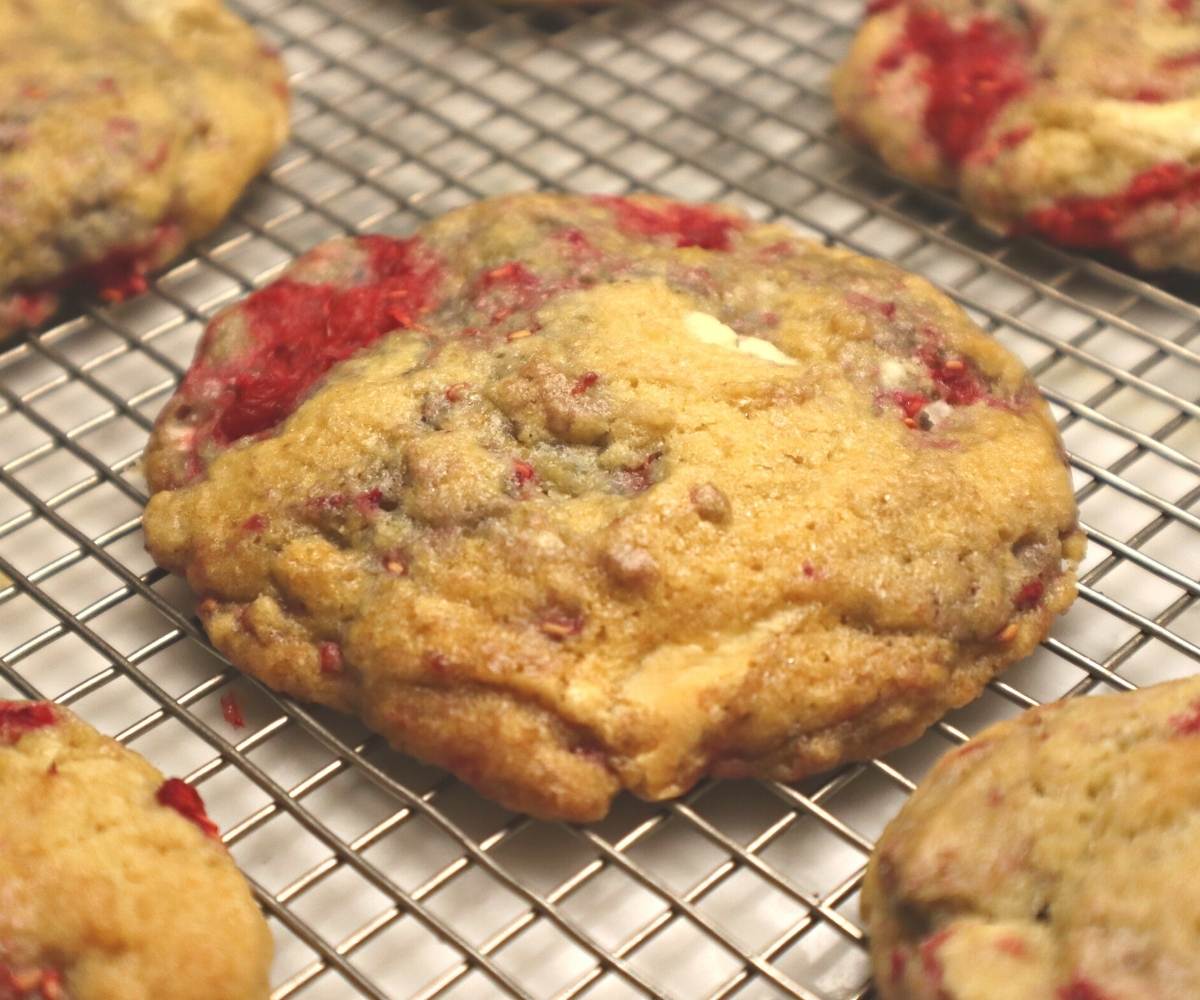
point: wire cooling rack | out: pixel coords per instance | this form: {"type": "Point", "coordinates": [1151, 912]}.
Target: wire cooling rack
{"type": "Point", "coordinates": [384, 878]}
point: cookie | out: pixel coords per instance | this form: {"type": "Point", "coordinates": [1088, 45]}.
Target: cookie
{"type": "Point", "coordinates": [1073, 120]}
{"type": "Point", "coordinates": [127, 128]}
{"type": "Point", "coordinates": [1050, 857]}
{"type": "Point", "coordinates": [114, 881]}
{"type": "Point", "coordinates": [572, 494]}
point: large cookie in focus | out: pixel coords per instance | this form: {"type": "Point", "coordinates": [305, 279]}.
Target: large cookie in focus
{"type": "Point", "coordinates": [572, 494]}
{"type": "Point", "coordinates": [127, 128]}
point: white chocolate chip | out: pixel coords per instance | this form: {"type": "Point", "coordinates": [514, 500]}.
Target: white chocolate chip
{"type": "Point", "coordinates": [710, 330]}
{"type": "Point", "coordinates": [548, 542]}
{"type": "Point", "coordinates": [892, 373]}
{"type": "Point", "coordinates": [938, 411]}
{"type": "Point", "coordinates": [764, 349]}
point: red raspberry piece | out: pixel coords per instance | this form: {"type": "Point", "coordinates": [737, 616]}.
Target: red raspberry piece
{"type": "Point", "coordinates": [20, 717]}
{"type": "Point", "coordinates": [185, 800]}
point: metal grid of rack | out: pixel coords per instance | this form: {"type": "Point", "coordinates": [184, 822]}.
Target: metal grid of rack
{"type": "Point", "coordinates": [384, 878]}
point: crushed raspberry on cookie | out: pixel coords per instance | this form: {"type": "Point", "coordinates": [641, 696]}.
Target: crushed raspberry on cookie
{"type": "Point", "coordinates": [938, 383]}
{"type": "Point", "coordinates": [1103, 222]}
{"type": "Point", "coordinates": [689, 225]}
{"type": "Point", "coordinates": [1187, 723]}
{"type": "Point", "coordinates": [1029, 596]}
{"type": "Point", "coordinates": [174, 793]}
{"type": "Point", "coordinates": [20, 717]}
{"type": "Point", "coordinates": [31, 983]}
{"type": "Point", "coordinates": [330, 654]}
{"type": "Point", "coordinates": [1081, 989]}
{"type": "Point", "coordinates": [121, 273]}
{"type": "Point", "coordinates": [970, 75]}
{"type": "Point", "coordinates": [118, 275]}
{"type": "Point", "coordinates": [931, 963]}
{"type": "Point", "coordinates": [296, 331]}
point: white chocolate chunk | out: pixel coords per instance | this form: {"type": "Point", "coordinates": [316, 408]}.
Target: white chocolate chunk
{"type": "Point", "coordinates": [893, 373]}
{"type": "Point", "coordinates": [764, 349]}
{"type": "Point", "coordinates": [938, 411]}
{"type": "Point", "coordinates": [710, 330]}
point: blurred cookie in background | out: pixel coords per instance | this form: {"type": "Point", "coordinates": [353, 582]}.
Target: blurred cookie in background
{"type": "Point", "coordinates": [1072, 120]}
{"type": "Point", "coordinates": [127, 129]}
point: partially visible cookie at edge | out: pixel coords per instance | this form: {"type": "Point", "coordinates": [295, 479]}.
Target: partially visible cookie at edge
{"type": "Point", "coordinates": [572, 494]}
{"type": "Point", "coordinates": [1053, 857]}
{"type": "Point", "coordinates": [115, 884]}
{"type": "Point", "coordinates": [1073, 120]}
{"type": "Point", "coordinates": [126, 130]}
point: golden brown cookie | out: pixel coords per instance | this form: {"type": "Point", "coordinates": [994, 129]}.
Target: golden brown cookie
{"type": "Point", "coordinates": [114, 884]}
{"type": "Point", "coordinates": [127, 128]}
{"type": "Point", "coordinates": [1053, 857]}
{"type": "Point", "coordinates": [572, 494]}
{"type": "Point", "coordinates": [1075, 120]}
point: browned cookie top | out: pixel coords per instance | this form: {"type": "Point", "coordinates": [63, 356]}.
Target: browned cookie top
{"type": "Point", "coordinates": [114, 884]}
{"type": "Point", "coordinates": [1053, 857]}
{"type": "Point", "coordinates": [570, 494]}
{"type": "Point", "coordinates": [1077, 120]}
{"type": "Point", "coordinates": [127, 127]}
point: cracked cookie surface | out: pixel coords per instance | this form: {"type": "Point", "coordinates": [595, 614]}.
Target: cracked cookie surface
{"type": "Point", "coordinates": [572, 494]}
{"type": "Point", "coordinates": [1074, 120]}
{"type": "Point", "coordinates": [114, 882]}
{"type": "Point", "coordinates": [126, 129]}
{"type": "Point", "coordinates": [1050, 858]}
